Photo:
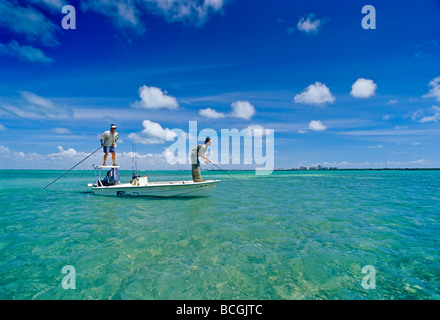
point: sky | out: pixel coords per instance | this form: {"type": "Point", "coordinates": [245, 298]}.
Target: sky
{"type": "Point", "coordinates": [334, 93]}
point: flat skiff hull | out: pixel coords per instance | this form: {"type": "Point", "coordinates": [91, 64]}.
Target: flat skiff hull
{"type": "Point", "coordinates": [159, 189]}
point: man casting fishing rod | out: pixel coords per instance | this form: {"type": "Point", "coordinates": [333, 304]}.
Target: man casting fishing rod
{"type": "Point", "coordinates": [108, 144]}
{"type": "Point", "coordinates": [197, 152]}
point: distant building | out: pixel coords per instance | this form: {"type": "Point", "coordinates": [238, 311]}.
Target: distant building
{"type": "Point", "coordinates": [319, 167]}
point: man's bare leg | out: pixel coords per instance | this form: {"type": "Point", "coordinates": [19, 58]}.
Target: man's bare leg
{"type": "Point", "coordinates": [114, 158]}
{"type": "Point", "coordinates": [105, 159]}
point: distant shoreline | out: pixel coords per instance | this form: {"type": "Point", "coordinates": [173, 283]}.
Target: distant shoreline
{"type": "Point", "coordinates": [249, 170]}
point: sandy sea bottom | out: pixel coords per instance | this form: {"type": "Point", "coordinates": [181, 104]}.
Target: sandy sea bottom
{"type": "Point", "coordinates": [289, 235]}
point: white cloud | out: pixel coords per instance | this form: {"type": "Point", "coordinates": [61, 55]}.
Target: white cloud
{"type": "Point", "coordinates": [211, 113]}
{"type": "Point", "coordinates": [415, 115]}
{"type": "Point", "coordinates": [317, 125]}
{"type": "Point", "coordinates": [28, 21]}
{"type": "Point", "coordinates": [7, 153]}
{"type": "Point", "coordinates": [35, 107]}
{"type": "Point", "coordinates": [128, 13]}
{"type": "Point", "coordinates": [435, 89]}
{"type": "Point", "coordinates": [124, 13]}
{"type": "Point", "coordinates": [315, 94]}
{"type": "Point", "coordinates": [70, 152]}
{"type": "Point", "coordinates": [3, 128]}
{"type": "Point", "coordinates": [43, 106]}
{"type": "Point", "coordinates": [153, 133]}
{"type": "Point", "coordinates": [422, 116]}
{"type": "Point", "coordinates": [379, 146]}
{"type": "Point", "coordinates": [434, 117]}
{"type": "Point", "coordinates": [310, 24]}
{"type": "Point", "coordinates": [363, 88]}
{"type": "Point", "coordinates": [24, 53]}
{"type": "Point", "coordinates": [193, 11]}
{"type": "Point", "coordinates": [66, 158]}
{"type": "Point", "coordinates": [386, 117]}
{"type": "Point", "coordinates": [155, 98]}
{"type": "Point", "coordinates": [61, 131]}
{"type": "Point", "coordinates": [255, 129]}
{"type": "Point", "coordinates": [242, 109]}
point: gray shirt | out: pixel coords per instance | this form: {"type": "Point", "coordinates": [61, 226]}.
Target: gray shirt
{"type": "Point", "coordinates": [202, 151]}
{"type": "Point", "coordinates": [109, 138]}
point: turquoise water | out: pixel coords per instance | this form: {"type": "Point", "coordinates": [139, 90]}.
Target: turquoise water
{"type": "Point", "coordinates": [289, 235]}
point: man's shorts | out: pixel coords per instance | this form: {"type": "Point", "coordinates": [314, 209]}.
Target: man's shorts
{"type": "Point", "coordinates": [108, 149]}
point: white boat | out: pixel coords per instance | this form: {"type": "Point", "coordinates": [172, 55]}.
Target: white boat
{"type": "Point", "coordinates": [141, 187]}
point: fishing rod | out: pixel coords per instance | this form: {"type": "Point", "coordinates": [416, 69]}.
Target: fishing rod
{"type": "Point", "coordinates": [114, 138]}
{"type": "Point", "coordinates": [226, 173]}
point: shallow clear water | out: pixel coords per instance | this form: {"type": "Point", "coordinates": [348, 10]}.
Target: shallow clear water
{"type": "Point", "coordinates": [289, 235]}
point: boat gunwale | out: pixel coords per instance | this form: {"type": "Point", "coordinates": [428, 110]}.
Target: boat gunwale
{"type": "Point", "coordinates": [158, 184]}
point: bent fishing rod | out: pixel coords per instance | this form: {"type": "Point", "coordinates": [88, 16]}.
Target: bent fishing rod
{"type": "Point", "coordinates": [113, 140]}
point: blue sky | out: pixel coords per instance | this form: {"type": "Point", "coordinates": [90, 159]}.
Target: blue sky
{"type": "Point", "coordinates": [334, 93]}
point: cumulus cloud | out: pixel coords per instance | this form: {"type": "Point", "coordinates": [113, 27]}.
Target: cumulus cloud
{"type": "Point", "coordinates": [70, 152]}
{"type": "Point", "coordinates": [317, 125]}
{"type": "Point", "coordinates": [309, 24]}
{"type": "Point", "coordinates": [153, 133]}
{"type": "Point", "coordinates": [66, 158]}
{"type": "Point", "coordinates": [155, 98]}
{"type": "Point", "coordinates": [434, 92]}
{"type": "Point", "coordinates": [7, 153]}
{"type": "Point", "coordinates": [24, 53]}
{"type": "Point", "coordinates": [211, 113]}
{"type": "Point", "coordinates": [315, 94]}
{"type": "Point", "coordinates": [363, 88]}
{"type": "Point", "coordinates": [242, 109]}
